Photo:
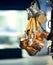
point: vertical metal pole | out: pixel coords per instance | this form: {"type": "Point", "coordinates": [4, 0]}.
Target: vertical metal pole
{"type": "Point", "coordinates": [52, 29]}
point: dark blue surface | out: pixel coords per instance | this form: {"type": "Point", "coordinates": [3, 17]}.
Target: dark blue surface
{"type": "Point", "coordinates": [10, 53]}
{"type": "Point", "coordinates": [14, 4]}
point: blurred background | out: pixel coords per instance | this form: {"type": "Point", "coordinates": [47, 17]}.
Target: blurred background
{"type": "Point", "coordinates": [13, 21]}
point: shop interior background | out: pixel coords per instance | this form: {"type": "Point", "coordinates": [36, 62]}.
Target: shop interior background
{"type": "Point", "coordinates": [13, 23]}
